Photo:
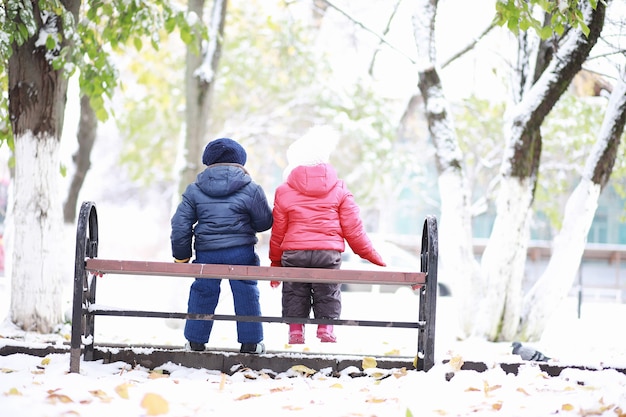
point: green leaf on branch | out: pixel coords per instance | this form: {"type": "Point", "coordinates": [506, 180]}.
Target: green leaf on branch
{"type": "Point", "coordinates": [138, 43]}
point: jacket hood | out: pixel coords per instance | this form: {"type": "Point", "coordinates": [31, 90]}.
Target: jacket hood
{"type": "Point", "coordinates": [220, 180]}
{"type": "Point", "coordinates": [313, 180]}
{"type": "Point", "coordinates": [311, 149]}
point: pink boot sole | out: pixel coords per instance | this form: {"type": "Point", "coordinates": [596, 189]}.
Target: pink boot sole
{"type": "Point", "coordinates": [326, 335]}
{"type": "Point", "coordinates": [296, 339]}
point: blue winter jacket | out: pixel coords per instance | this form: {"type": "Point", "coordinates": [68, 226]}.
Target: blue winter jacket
{"type": "Point", "coordinates": [222, 209]}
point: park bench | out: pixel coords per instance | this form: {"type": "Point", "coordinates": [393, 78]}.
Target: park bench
{"type": "Point", "coordinates": [88, 268]}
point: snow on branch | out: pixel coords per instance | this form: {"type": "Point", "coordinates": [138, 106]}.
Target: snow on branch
{"type": "Point", "coordinates": [206, 71]}
{"type": "Point", "coordinates": [609, 137]}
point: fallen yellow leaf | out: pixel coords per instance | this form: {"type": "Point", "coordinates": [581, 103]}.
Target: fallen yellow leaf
{"type": "Point", "coordinates": [456, 362]}
{"type": "Point", "coordinates": [337, 385]}
{"type": "Point", "coordinates": [567, 407]}
{"type": "Point", "coordinates": [369, 362]}
{"type": "Point", "coordinates": [45, 361]}
{"type": "Point", "coordinates": [13, 391]}
{"type": "Point", "coordinates": [376, 400]}
{"type": "Point", "coordinates": [222, 381]}
{"type": "Point", "coordinates": [489, 388]}
{"type": "Point", "coordinates": [154, 404]}
{"type": "Point", "coordinates": [303, 369]}
{"type": "Point", "coordinates": [393, 352]}
{"type": "Point", "coordinates": [6, 370]}
{"type": "Point", "coordinates": [122, 390]}
{"type": "Point", "coordinates": [281, 389]}
{"type": "Point", "coordinates": [157, 375]}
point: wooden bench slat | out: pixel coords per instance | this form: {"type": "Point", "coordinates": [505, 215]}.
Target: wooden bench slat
{"type": "Point", "coordinates": [245, 272]}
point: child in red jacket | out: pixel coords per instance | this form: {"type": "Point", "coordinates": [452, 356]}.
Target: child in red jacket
{"type": "Point", "coordinates": [314, 215]}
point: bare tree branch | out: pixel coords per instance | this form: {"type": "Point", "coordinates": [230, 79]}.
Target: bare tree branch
{"type": "Point", "coordinates": [469, 47]}
{"type": "Point", "coordinates": [380, 37]}
{"type": "Point", "coordinates": [385, 31]}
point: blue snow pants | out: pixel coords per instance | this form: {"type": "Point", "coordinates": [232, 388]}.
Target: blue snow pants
{"type": "Point", "coordinates": [204, 295]}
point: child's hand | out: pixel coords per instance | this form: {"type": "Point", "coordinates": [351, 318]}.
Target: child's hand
{"type": "Point", "coordinates": [375, 258]}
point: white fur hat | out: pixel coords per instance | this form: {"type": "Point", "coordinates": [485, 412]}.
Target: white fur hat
{"type": "Point", "coordinates": [313, 148]}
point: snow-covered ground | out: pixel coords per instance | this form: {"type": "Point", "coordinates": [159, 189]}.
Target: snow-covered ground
{"type": "Point", "coordinates": [33, 386]}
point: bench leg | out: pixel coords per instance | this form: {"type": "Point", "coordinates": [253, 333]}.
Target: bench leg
{"type": "Point", "coordinates": [86, 246]}
{"type": "Point", "coordinates": [428, 295]}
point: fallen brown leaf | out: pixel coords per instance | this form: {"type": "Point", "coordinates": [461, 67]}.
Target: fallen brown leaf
{"type": "Point", "coordinates": [103, 396]}
{"type": "Point", "coordinates": [247, 396]}
{"type": "Point", "coordinates": [58, 398]}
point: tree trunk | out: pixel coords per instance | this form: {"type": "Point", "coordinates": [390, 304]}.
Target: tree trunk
{"type": "Point", "coordinates": [554, 284]}
{"type": "Point", "coordinates": [504, 257]}
{"type": "Point", "coordinates": [200, 80]}
{"type": "Point", "coordinates": [87, 129]}
{"type": "Point", "coordinates": [36, 106]}
{"type": "Point", "coordinates": [457, 262]}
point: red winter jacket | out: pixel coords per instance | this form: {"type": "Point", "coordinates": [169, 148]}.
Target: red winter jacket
{"type": "Point", "coordinates": [314, 210]}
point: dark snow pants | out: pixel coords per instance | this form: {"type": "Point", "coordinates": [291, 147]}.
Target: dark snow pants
{"type": "Point", "coordinates": [299, 298]}
{"type": "Point", "coordinates": [205, 293]}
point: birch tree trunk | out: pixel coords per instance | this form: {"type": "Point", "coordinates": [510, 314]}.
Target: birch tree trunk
{"type": "Point", "coordinates": [200, 75]}
{"type": "Point", "coordinates": [496, 287]}
{"type": "Point", "coordinates": [456, 259]}
{"type": "Point", "coordinates": [545, 296]}
{"type": "Point", "coordinates": [37, 94]}
{"type": "Point", "coordinates": [504, 257]}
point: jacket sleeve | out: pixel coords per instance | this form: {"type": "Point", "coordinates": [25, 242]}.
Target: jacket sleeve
{"type": "Point", "coordinates": [182, 228]}
{"type": "Point", "coordinates": [260, 211]}
{"type": "Point", "coordinates": [353, 229]}
{"type": "Point", "coordinates": [279, 228]}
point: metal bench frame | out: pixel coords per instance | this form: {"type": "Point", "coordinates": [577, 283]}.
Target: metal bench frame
{"type": "Point", "coordinates": [88, 268]}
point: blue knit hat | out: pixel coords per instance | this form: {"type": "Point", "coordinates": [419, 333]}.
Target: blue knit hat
{"type": "Point", "coordinates": [224, 150]}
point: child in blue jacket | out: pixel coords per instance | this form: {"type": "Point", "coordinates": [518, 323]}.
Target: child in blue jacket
{"type": "Point", "coordinates": [221, 213]}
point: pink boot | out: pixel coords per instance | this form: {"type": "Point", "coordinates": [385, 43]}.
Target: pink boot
{"type": "Point", "coordinates": [296, 334]}
{"type": "Point", "coordinates": [325, 333]}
